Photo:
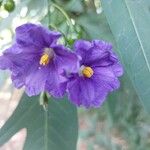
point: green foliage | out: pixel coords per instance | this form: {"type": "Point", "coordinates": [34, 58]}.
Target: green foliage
{"type": "Point", "coordinates": [96, 27]}
{"type": "Point", "coordinates": [130, 28]}
{"type": "Point", "coordinates": [74, 6]}
{"type": "Point", "coordinates": [58, 130]}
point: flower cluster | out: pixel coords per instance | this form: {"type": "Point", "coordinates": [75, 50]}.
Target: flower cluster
{"type": "Point", "coordinates": [39, 63]}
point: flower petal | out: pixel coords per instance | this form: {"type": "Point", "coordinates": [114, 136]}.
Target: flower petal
{"type": "Point", "coordinates": [5, 62]}
{"type": "Point", "coordinates": [95, 53]}
{"type": "Point", "coordinates": [102, 45]}
{"type": "Point", "coordinates": [83, 92]}
{"type": "Point", "coordinates": [17, 63]}
{"type": "Point", "coordinates": [66, 59]}
{"type": "Point", "coordinates": [56, 82]}
{"type": "Point", "coordinates": [117, 69]}
{"type": "Point", "coordinates": [81, 48]}
{"type": "Point", "coordinates": [32, 34]}
{"type": "Point", "coordinates": [35, 81]}
{"type": "Point", "coordinates": [107, 77]}
{"type": "Point", "coordinates": [18, 80]}
{"type": "Point", "coordinates": [101, 59]}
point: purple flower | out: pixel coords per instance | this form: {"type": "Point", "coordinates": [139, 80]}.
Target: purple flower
{"type": "Point", "coordinates": [97, 76]}
{"type": "Point", "coordinates": [37, 61]}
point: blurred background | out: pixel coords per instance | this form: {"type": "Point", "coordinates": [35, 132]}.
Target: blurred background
{"type": "Point", "coordinates": [121, 123]}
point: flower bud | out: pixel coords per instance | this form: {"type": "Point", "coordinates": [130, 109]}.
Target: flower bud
{"type": "Point", "coordinates": [9, 5]}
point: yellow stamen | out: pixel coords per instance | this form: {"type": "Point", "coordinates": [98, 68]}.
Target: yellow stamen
{"type": "Point", "coordinates": [44, 59]}
{"type": "Point", "coordinates": [87, 72]}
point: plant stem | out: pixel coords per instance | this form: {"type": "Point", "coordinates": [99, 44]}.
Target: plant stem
{"type": "Point", "coordinates": [65, 15]}
{"type": "Point", "coordinates": [45, 99]}
{"type": "Point", "coordinates": [46, 130]}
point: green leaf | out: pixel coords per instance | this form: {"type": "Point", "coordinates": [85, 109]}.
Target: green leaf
{"type": "Point", "coordinates": [129, 21]}
{"type": "Point", "coordinates": [74, 6]}
{"type": "Point", "coordinates": [96, 26]}
{"type": "Point", "coordinates": [57, 131]}
{"type": "Point", "coordinates": [124, 98]}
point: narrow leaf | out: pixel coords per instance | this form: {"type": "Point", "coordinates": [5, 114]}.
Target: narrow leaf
{"type": "Point", "coordinates": [53, 130]}
{"type": "Point", "coordinates": [129, 21]}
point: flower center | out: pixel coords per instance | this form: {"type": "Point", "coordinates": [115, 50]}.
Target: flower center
{"type": "Point", "coordinates": [87, 72]}
{"type": "Point", "coordinates": [44, 59]}
{"type": "Point", "coordinates": [47, 56]}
